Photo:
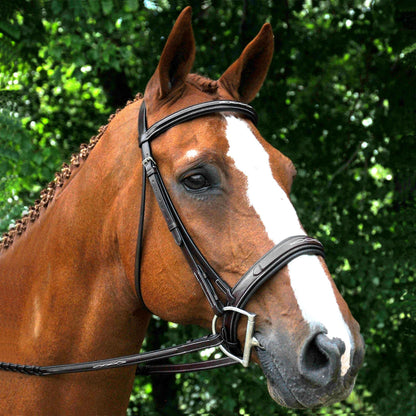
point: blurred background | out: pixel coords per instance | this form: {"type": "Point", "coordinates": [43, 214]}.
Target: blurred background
{"type": "Point", "coordinates": [339, 100]}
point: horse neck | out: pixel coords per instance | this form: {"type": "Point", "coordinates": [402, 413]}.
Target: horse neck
{"type": "Point", "coordinates": [64, 291]}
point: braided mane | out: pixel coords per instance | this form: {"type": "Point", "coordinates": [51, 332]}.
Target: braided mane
{"type": "Point", "coordinates": [61, 177]}
{"type": "Point", "coordinates": [204, 84]}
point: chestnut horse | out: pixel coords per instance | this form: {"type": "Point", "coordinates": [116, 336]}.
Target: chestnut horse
{"type": "Point", "coordinates": [67, 270]}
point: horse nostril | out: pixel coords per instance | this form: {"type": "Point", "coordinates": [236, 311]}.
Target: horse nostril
{"type": "Point", "coordinates": [320, 359]}
{"type": "Point", "coordinates": [314, 358]}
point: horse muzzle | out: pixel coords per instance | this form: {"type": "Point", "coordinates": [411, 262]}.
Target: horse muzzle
{"type": "Point", "coordinates": [309, 376]}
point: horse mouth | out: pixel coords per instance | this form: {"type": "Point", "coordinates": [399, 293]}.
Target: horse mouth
{"type": "Point", "coordinates": [278, 388]}
{"type": "Point", "coordinates": [287, 387]}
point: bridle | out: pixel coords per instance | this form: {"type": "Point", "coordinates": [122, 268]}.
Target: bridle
{"type": "Point", "coordinates": [238, 296]}
{"type": "Point", "coordinates": [215, 288]}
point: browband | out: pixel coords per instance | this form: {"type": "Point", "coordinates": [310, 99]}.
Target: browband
{"type": "Point", "coordinates": [190, 113]}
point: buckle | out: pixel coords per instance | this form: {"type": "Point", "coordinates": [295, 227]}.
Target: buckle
{"type": "Point", "coordinates": [148, 160]}
{"type": "Point", "coordinates": [149, 166]}
{"type": "Point", "coordinates": [249, 342]}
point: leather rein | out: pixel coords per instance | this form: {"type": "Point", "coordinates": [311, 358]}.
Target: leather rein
{"type": "Point", "coordinates": [211, 283]}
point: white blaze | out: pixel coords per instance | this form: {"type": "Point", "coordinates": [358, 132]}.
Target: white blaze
{"type": "Point", "coordinates": [311, 286]}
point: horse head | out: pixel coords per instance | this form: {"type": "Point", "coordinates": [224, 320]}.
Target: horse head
{"type": "Point", "coordinates": [231, 189]}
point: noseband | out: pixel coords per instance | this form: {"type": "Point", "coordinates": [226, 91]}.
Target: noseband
{"type": "Point", "coordinates": [227, 302]}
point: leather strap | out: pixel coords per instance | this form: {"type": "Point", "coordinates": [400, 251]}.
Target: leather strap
{"type": "Point", "coordinates": [273, 261]}
{"type": "Point", "coordinates": [202, 270]}
{"type": "Point", "coordinates": [190, 113]}
{"type": "Point", "coordinates": [184, 368]}
{"type": "Point", "coordinates": [200, 267]}
{"type": "Point", "coordinates": [199, 344]}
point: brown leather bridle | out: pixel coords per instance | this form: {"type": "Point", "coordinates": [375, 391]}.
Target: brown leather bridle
{"type": "Point", "coordinates": [236, 298]}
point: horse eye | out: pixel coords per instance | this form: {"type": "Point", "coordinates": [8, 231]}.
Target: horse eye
{"type": "Point", "coordinates": [196, 182]}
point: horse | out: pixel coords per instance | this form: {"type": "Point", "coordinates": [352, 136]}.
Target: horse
{"type": "Point", "coordinates": [68, 287]}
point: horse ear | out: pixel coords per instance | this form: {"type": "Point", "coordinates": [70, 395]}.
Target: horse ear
{"type": "Point", "coordinates": [176, 60]}
{"type": "Point", "coordinates": [244, 78]}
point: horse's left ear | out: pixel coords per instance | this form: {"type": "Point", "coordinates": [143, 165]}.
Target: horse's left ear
{"type": "Point", "coordinates": [244, 78]}
{"type": "Point", "coordinates": [176, 60]}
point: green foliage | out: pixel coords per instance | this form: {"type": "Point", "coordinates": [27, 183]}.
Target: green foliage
{"type": "Point", "coordinates": [14, 176]}
{"type": "Point", "coordinates": [339, 101]}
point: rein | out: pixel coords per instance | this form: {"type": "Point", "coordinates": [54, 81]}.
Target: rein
{"type": "Point", "coordinates": [235, 297]}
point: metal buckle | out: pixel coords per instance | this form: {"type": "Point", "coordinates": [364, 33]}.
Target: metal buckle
{"type": "Point", "coordinates": [148, 160]}
{"type": "Point", "coordinates": [250, 340]}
